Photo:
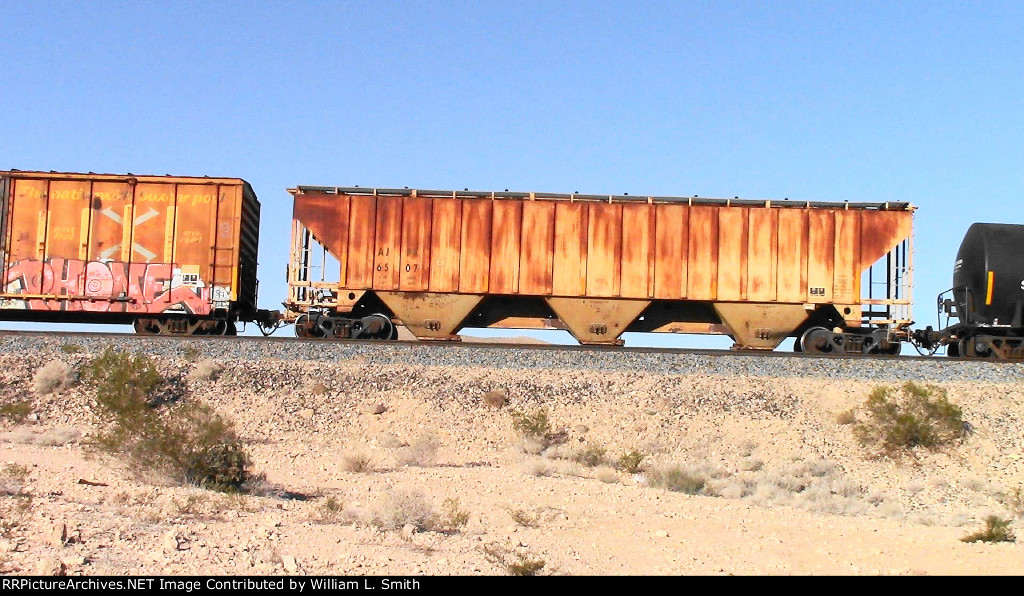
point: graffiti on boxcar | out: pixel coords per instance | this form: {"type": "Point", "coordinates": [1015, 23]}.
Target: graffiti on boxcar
{"type": "Point", "coordinates": [94, 286]}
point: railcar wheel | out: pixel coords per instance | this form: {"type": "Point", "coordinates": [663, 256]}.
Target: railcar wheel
{"type": "Point", "coordinates": [146, 327]}
{"type": "Point", "coordinates": [953, 350]}
{"type": "Point", "coordinates": [303, 327]}
{"type": "Point", "coordinates": [379, 326]}
{"type": "Point", "coordinates": [324, 327]}
{"type": "Point", "coordinates": [816, 340]}
{"type": "Point", "coordinates": [973, 348]}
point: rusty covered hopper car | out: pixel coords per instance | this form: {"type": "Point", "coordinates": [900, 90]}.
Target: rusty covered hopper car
{"type": "Point", "coordinates": [168, 254]}
{"type": "Point", "coordinates": [834, 275]}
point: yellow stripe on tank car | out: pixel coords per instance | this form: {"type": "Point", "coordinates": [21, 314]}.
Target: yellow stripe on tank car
{"type": "Point", "coordinates": [988, 294]}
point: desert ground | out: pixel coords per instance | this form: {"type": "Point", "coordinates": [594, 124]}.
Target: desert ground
{"type": "Point", "coordinates": [409, 468]}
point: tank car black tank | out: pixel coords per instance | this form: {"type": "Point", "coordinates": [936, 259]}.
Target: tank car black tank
{"type": "Point", "coordinates": [988, 275]}
{"type": "Point", "coordinates": [988, 296]}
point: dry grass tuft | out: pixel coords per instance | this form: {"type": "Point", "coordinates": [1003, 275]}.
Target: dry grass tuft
{"type": "Point", "coordinates": [846, 417]}
{"type": "Point", "coordinates": [421, 452]}
{"type": "Point", "coordinates": [590, 456]}
{"type": "Point", "coordinates": [206, 369]}
{"type": "Point", "coordinates": [357, 462]}
{"type": "Point", "coordinates": [496, 398]}
{"type": "Point", "coordinates": [53, 376]}
{"type": "Point", "coordinates": [57, 437]}
{"type": "Point", "coordinates": [330, 510]}
{"type": "Point", "coordinates": [525, 519]}
{"type": "Point", "coordinates": [677, 478]}
{"type": "Point", "coordinates": [396, 509]}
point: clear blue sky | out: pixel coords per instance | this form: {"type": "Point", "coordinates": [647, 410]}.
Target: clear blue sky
{"type": "Point", "coordinates": [824, 101]}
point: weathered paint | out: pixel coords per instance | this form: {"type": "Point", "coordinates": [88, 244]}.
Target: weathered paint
{"type": "Point", "coordinates": [711, 251]}
{"type": "Point", "coordinates": [78, 242]}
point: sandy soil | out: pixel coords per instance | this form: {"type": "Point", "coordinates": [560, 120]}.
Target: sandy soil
{"type": "Point", "coordinates": [788, 488]}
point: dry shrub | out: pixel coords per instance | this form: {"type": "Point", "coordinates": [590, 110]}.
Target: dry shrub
{"type": "Point", "coordinates": [57, 437]}
{"type": "Point", "coordinates": [206, 369]}
{"type": "Point", "coordinates": [12, 479]}
{"type": "Point", "coordinates": [995, 530]}
{"type": "Point", "coordinates": [421, 452]}
{"type": "Point", "coordinates": [531, 425]}
{"type": "Point", "coordinates": [495, 398]}
{"type": "Point", "coordinates": [397, 509]}
{"type": "Point", "coordinates": [535, 466]}
{"type": "Point", "coordinates": [606, 474]}
{"type": "Point", "coordinates": [846, 417]}
{"type": "Point", "coordinates": [513, 562]}
{"type": "Point", "coordinates": [1013, 500]}
{"type": "Point", "coordinates": [452, 519]}
{"type": "Point", "coordinates": [400, 508]}
{"type": "Point", "coordinates": [357, 462]}
{"type": "Point", "coordinates": [330, 510]}
{"type": "Point", "coordinates": [677, 478]}
{"type": "Point", "coordinates": [590, 456]}
{"type": "Point", "coordinates": [52, 377]}
{"type": "Point", "coordinates": [390, 441]}
{"type": "Point", "coordinates": [525, 519]}
{"type": "Point", "coordinates": [534, 430]}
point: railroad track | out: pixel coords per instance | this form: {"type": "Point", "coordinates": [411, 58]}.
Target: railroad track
{"type": "Point", "coordinates": [484, 345]}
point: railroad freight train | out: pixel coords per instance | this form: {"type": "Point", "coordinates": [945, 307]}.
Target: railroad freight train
{"type": "Point", "coordinates": [177, 255]}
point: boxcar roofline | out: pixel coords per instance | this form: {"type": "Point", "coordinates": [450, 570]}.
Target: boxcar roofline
{"type": "Point", "coordinates": [120, 177]}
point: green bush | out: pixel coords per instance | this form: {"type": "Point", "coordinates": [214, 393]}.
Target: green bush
{"type": "Point", "coordinates": [629, 462]}
{"type": "Point", "coordinates": [512, 561]}
{"type": "Point", "coordinates": [911, 416]}
{"type": "Point", "coordinates": [532, 425]}
{"type": "Point", "coordinates": [16, 411]}
{"type": "Point", "coordinates": [188, 443]}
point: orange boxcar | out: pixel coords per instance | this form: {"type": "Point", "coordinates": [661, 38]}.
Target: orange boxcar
{"type": "Point", "coordinates": [169, 254]}
{"type": "Point", "coordinates": [598, 266]}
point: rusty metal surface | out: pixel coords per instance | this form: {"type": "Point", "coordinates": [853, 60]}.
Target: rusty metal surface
{"type": "Point", "coordinates": [575, 248]}
{"type": "Point", "coordinates": [597, 321]}
{"type": "Point", "coordinates": [568, 248]}
{"type": "Point", "coordinates": [760, 326]}
{"type": "Point", "coordinates": [103, 243]}
{"type": "Point", "coordinates": [430, 315]}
